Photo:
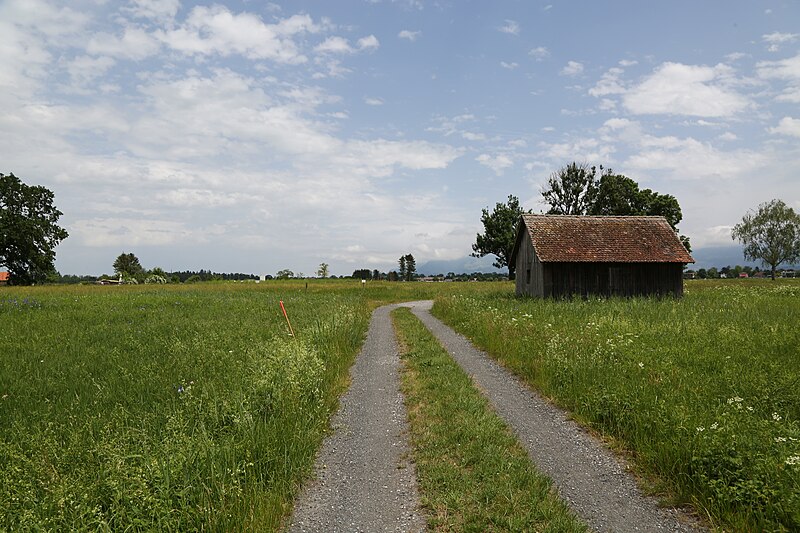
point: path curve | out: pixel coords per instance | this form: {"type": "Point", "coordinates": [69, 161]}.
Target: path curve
{"type": "Point", "coordinates": [365, 480]}
{"type": "Point", "coordinates": [595, 484]}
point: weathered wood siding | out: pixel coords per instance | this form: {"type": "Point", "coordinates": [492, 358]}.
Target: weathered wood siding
{"type": "Point", "coordinates": [529, 271]}
{"type": "Point", "coordinates": [563, 280]}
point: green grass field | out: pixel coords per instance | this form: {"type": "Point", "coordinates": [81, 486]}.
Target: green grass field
{"type": "Point", "coordinates": [702, 392]}
{"type": "Point", "coordinates": [190, 407]}
{"type": "Point", "coordinates": [171, 407]}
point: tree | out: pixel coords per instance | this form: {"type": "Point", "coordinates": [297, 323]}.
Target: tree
{"type": "Point", "coordinates": [771, 234]}
{"type": "Point", "coordinates": [322, 271]}
{"type": "Point", "coordinates": [29, 231]}
{"type": "Point", "coordinates": [362, 273]}
{"type": "Point", "coordinates": [620, 195]}
{"type": "Point", "coordinates": [500, 231]}
{"type": "Point", "coordinates": [571, 189]}
{"type": "Point", "coordinates": [284, 274]}
{"type": "Point", "coordinates": [402, 263]}
{"type": "Point", "coordinates": [411, 267]}
{"type": "Point", "coordinates": [128, 265]}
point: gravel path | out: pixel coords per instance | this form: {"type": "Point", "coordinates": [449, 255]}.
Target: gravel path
{"type": "Point", "coordinates": [593, 482]}
{"type": "Point", "coordinates": [365, 481]}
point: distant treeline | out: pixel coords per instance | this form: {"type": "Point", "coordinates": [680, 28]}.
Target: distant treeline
{"type": "Point", "coordinates": [172, 277]}
{"type": "Point", "coordinates": [367, 274]}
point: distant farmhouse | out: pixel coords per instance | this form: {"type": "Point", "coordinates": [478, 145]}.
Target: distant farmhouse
{"type": "Point", "coordinates": [564, 256]}
{"type": "Point", "coordinates": [4, 278]}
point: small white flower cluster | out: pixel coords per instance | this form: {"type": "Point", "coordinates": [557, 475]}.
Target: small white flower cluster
{"type": "Point", "coordinates": [793, 460]}
{"type": "Point", "coordinates": [776, 417]}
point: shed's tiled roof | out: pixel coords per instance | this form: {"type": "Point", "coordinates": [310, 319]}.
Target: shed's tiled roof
{"type": "Point", "coordinates": [608, 239]}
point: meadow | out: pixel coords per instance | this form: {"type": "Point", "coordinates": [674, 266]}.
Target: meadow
{"type": "Point", "coordinates": [170, 407]}
{"type": "Point", "coordinates": [702, 393]}
{"type": "Point", "coordinates": [191, 408]}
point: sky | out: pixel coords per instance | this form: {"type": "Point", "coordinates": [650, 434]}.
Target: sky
{"type": "Point", "coordinates": [249, 136]}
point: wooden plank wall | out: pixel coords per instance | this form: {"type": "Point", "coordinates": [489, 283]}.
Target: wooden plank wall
{"type": "Point", "coordinates": [611, 279]}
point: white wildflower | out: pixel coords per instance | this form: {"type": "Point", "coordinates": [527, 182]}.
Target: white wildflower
{"type": "Point", "coordinates": [780, 439]}
{"type": "Point", "coordinates": [700, 429]}
{"type": "Point", "coordinates": [776, 417]}
{"type": "Point", "coordinates": [715, 425]}
{"type": "Point", "coordinates": [793, 460]}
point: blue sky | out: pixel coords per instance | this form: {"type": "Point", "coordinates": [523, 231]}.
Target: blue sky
{"type": "Point", "coordinates": [252, 136]}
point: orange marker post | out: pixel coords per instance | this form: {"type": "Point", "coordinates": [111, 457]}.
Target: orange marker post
{"type": "Point", "coordinates": [291, 331]}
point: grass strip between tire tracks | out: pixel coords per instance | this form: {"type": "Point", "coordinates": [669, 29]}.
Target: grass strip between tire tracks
{"type": "Point", "coordinates": [473, 473]}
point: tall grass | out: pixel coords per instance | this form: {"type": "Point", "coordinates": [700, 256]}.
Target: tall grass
{"type": "Point", "coordinates": [704, 392]}
{"type": "Point", "coordinates": [166, 408]}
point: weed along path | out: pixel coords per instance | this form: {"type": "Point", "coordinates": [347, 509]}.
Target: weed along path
{"type": "Point", "coordinates": [594, 484]}
{"type": "Point", "coordinates": [364, 480]}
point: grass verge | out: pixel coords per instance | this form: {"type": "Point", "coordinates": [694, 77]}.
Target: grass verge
{"type": "Point", "coordinates": [702, 391]}
{"type": "Point", "coordinates": [473, 474]}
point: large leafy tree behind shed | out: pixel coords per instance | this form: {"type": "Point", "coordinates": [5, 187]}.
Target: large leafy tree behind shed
{"type": "Point", "coordinates": [29, 232]}
{"type": "Point", "coordinates": [620, 195]}
{"type": "Point", "coordinates": [500, 230]}
{"type": "Point", "coordinates": [770, 234]}
{"type": "Point", "coordinates": [571, 189]}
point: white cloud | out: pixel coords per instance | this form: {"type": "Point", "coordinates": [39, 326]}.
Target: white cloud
{"type": "Point", "coordinates": [728, 136]}
{"type": "Point", "coordinates": [787, 126]}
{"type": "Point", "coordinates": [572, 68]}
{"type": "Point", "coordinates": [787, 70]}
{"type": "Point", "coordinates": [784, 69]}
{"type": "Point", "coordinates": [84, 69]}
{"type": "Point", "coordinates": [215, 30]}
{"type": "Point", "coordinates": [540, 53]}
{"type": "Point", "coordinates": [161, 10]}
{"type": "Point", "coordinates": [135, 43]}
{"type": "Point", "coordinates": [410, 35]}
{"type": "Point", "coordinates": [340, 45]}
{"type": "Point", "coordinates": [370, 42]}
{"type": "Point", "coordinates": [679, 89]}
{"type": "Point", "coordinates": [776, 39]}
{"type": "Point", "coordinates": [509, 66]}
{"type": "Point", "coordinates": [609, 84]}
{"type": "Point", "coordinates": [373, 101]}
{"type": "Point", "coordinates": [126, 232]}
{"type": "Point", "coordinates": [690, 159]}
{"type": "Point", "coordinates": [334, 45]}
{"type": "Point", "coordinates": [471, 136]}
{"type": "Point", "coordinates": [510, 27]}
{"type": "Point", "coordinates": [735, 56]}
{"type": "Point", "coordinates": [497, 163]}
{"type": "Point", "coordinates": [628, 63]}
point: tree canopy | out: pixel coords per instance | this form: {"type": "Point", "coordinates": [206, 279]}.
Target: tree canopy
{"type": "Point", "coordinates": [571, 189]}
{"type": "Point", "coordinates": [29, 231]}
{"type": "Point", "coordinates": [500, 231]}
{"type": "Point", "coordinates": [128, 265]}
{"type": "Point", "coordinates": [575, 190]}
{"type": "Point", "coordinates": [770, 234]}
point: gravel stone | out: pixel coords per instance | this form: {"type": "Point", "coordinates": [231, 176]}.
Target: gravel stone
{"type": "Point", "coordinates": [595, 483]}
{"type": "Point", "coordinates": [364, 478]}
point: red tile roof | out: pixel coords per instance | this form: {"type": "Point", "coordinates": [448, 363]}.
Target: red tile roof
{"type": "Point", "coordinates": [605, 239]}
{"type": "Point", "coordinates": [3, 276]}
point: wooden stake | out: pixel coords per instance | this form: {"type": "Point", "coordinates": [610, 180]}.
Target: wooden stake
{"type": "Point", "coordinates": [291, 331]}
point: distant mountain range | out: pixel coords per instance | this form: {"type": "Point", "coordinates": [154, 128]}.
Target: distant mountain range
{"type": "Point", "coordinates": [463, 265]}
{"type": "Point", "coordinates": [712, 256]}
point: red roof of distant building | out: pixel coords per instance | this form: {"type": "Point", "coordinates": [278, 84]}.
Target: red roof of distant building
{"type": "Point", "coordinates": [3, 276]}
{"type": "Point", "coordinates": [605, 239]}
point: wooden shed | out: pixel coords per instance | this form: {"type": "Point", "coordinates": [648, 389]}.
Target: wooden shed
{"type": "Point", "coordinates": [561, 256]}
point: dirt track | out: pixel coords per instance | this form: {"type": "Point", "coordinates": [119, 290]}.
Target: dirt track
{"type": "Point", "coordinates": [366, 483]}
